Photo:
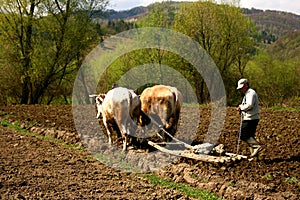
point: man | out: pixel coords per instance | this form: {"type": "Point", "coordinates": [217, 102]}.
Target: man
{"type": "Point", "coordinates": [249, 110]}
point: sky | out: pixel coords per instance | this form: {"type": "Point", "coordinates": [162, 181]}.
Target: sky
{"type": "Point", "coordinates": [292, 6]}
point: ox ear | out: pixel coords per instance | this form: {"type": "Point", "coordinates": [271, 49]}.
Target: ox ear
{"type": "Point", "coordinates": [136, 91]}
{"type": "Point", "coordinates": [102, 96]}
{"type": "Point", "coordinates": [99, 100]}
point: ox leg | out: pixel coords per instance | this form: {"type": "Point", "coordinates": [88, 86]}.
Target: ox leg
{"type": "Point", "coordinates": [125, 140]}
{"type": "Point", "coordinates": [99, 111]}
{"type": "Point", "coordinates": [121, 121]}
{"type": "Point", "coordinates": [124, 136]}
{"type": "Point", "coordinates": [132, 131]}
{"type": "Point", "coordinates": [108, 130]}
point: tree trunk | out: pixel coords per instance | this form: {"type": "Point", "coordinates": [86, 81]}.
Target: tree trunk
{"type": "Point", "coordinates": [25, 90]}
{"type": "Point", "coordinates": [26, 45]}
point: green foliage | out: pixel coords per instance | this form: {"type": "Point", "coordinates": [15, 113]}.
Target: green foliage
{"type": "Point", "coordinates": [45, 43]}
{"type": "Point", "coordinates": [164, 68]}
{"type": "Point", "coordinates": [160, 15]}
{"type": "Point", "coordinates": [112, 27]}
{"type": "Point", "coordinates": [231, 39]}
{"type": "Point", "coordinates": [40, 53]}
{"type": "Point", "coordinates": [188, 190]}
{"type": "Point", "coordinates": [276, 81]}
{"type": "Point", "coordinates": [220, 29]}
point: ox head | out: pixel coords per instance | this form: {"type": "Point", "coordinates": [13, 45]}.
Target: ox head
{"type": "Point", "coordinates": [99, 100]}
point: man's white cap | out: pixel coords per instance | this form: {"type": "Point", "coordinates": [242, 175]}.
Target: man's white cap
{"type": "Point", "coordinates": [241, 83]}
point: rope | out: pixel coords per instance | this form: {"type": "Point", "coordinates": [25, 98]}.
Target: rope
{"type": "Point", "coordinates": [179, 141]}
{"type": "Point", "coordinates": [163, 130]}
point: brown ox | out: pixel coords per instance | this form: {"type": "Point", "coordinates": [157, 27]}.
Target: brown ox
{"type": "Point", "coordinates": [163, 103]}
{"type": "Point", "coordinates": [122, 107]}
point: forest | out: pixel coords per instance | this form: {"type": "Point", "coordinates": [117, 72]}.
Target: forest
{"type": "Point", "coordinates": [44, 43]}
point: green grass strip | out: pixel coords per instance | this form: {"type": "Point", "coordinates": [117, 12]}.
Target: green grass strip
{"type": "Point", "coordinates": [117, 159]}
{"type": "Point", "coordinates": [283, 108]}
{"type": "Point", "coordinates": [186, 189]}
{"type": "Point", "coordinates": [16, 126]}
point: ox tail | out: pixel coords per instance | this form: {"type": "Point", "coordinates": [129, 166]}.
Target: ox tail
{"type": "Point", "coordinates": [172, 107]}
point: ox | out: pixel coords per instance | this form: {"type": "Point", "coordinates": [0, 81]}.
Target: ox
{"type": "Point", "coordinates": [122, 107]}
{"type": "Point", "coordinates": [163, 104]}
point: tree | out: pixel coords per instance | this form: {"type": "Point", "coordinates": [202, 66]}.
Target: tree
{"type": "Point", "coordinates": [45, 41]}
{"type": "Point", "coordinates": [223, 32]}
{"type": "Point", "coordinates": [161, 15]}
{"type": "Point", "coordinates": [276, 81]}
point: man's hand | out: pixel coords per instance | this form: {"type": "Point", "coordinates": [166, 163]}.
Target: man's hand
{"type": "Point", "coordinates": [239, 108]}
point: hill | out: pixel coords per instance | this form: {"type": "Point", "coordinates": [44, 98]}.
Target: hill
{"type": "Point", "coordinates": [271, 24]}
{"type": "Point", "coordinates": [286, 47]}
{"type": "Point", "coordinates": [134, 13]}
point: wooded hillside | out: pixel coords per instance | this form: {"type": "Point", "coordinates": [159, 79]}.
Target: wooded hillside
{"type": "Point", "coordinates": [40, 54]}
{"type": "Point", "coordinates": [271, 24]}
{"type": "Point", "coordinates": [275, 58]}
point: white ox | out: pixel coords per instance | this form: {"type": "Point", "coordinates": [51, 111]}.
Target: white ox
{"type": "Point", "coordinates": [121, 106]}
{"type": "Point", "coordinates": [163, 104]}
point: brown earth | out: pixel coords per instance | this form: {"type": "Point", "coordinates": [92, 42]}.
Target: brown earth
{"type": "Point", "coordinates": [35, 168]}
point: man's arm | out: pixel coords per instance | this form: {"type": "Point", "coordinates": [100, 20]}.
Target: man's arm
{"type": "Point", "coordinates": [250, 101]}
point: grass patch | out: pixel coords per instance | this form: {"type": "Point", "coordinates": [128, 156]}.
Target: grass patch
{"type": "Point", "coordinates": [269, 176]}
{"type": "Point", "coordinates": [291, 180]}
{"type": "Point", "coordinates": [193, 104]}
{"type": "Point", "coordinates": [16, 126]}
{"type": "Point", "coordinates": [117, 159]}
{"type": "Point", "coordinates": [232, 184]}
{"type": "Point", "coordinates": [283, 108]}
{"type": "Point", "coordinates": [186, 189]}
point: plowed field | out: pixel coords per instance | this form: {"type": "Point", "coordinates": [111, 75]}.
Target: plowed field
{"type": "Point", "coordinates": [31, 167]}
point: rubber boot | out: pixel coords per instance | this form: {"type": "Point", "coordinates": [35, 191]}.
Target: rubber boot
{"type": "Point", "coordinates": [251, 150]}
{"type": "Point", "coordinates": [256, 149]}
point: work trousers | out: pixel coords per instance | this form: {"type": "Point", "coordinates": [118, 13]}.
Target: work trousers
{"type": "Point", "coordinates": [248, 130]}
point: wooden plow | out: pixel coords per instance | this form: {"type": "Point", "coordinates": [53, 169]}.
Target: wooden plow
{"type": "Point", "coordinates": [188, 153]}
{"type": "Point", "coordinates": [182, 149]}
